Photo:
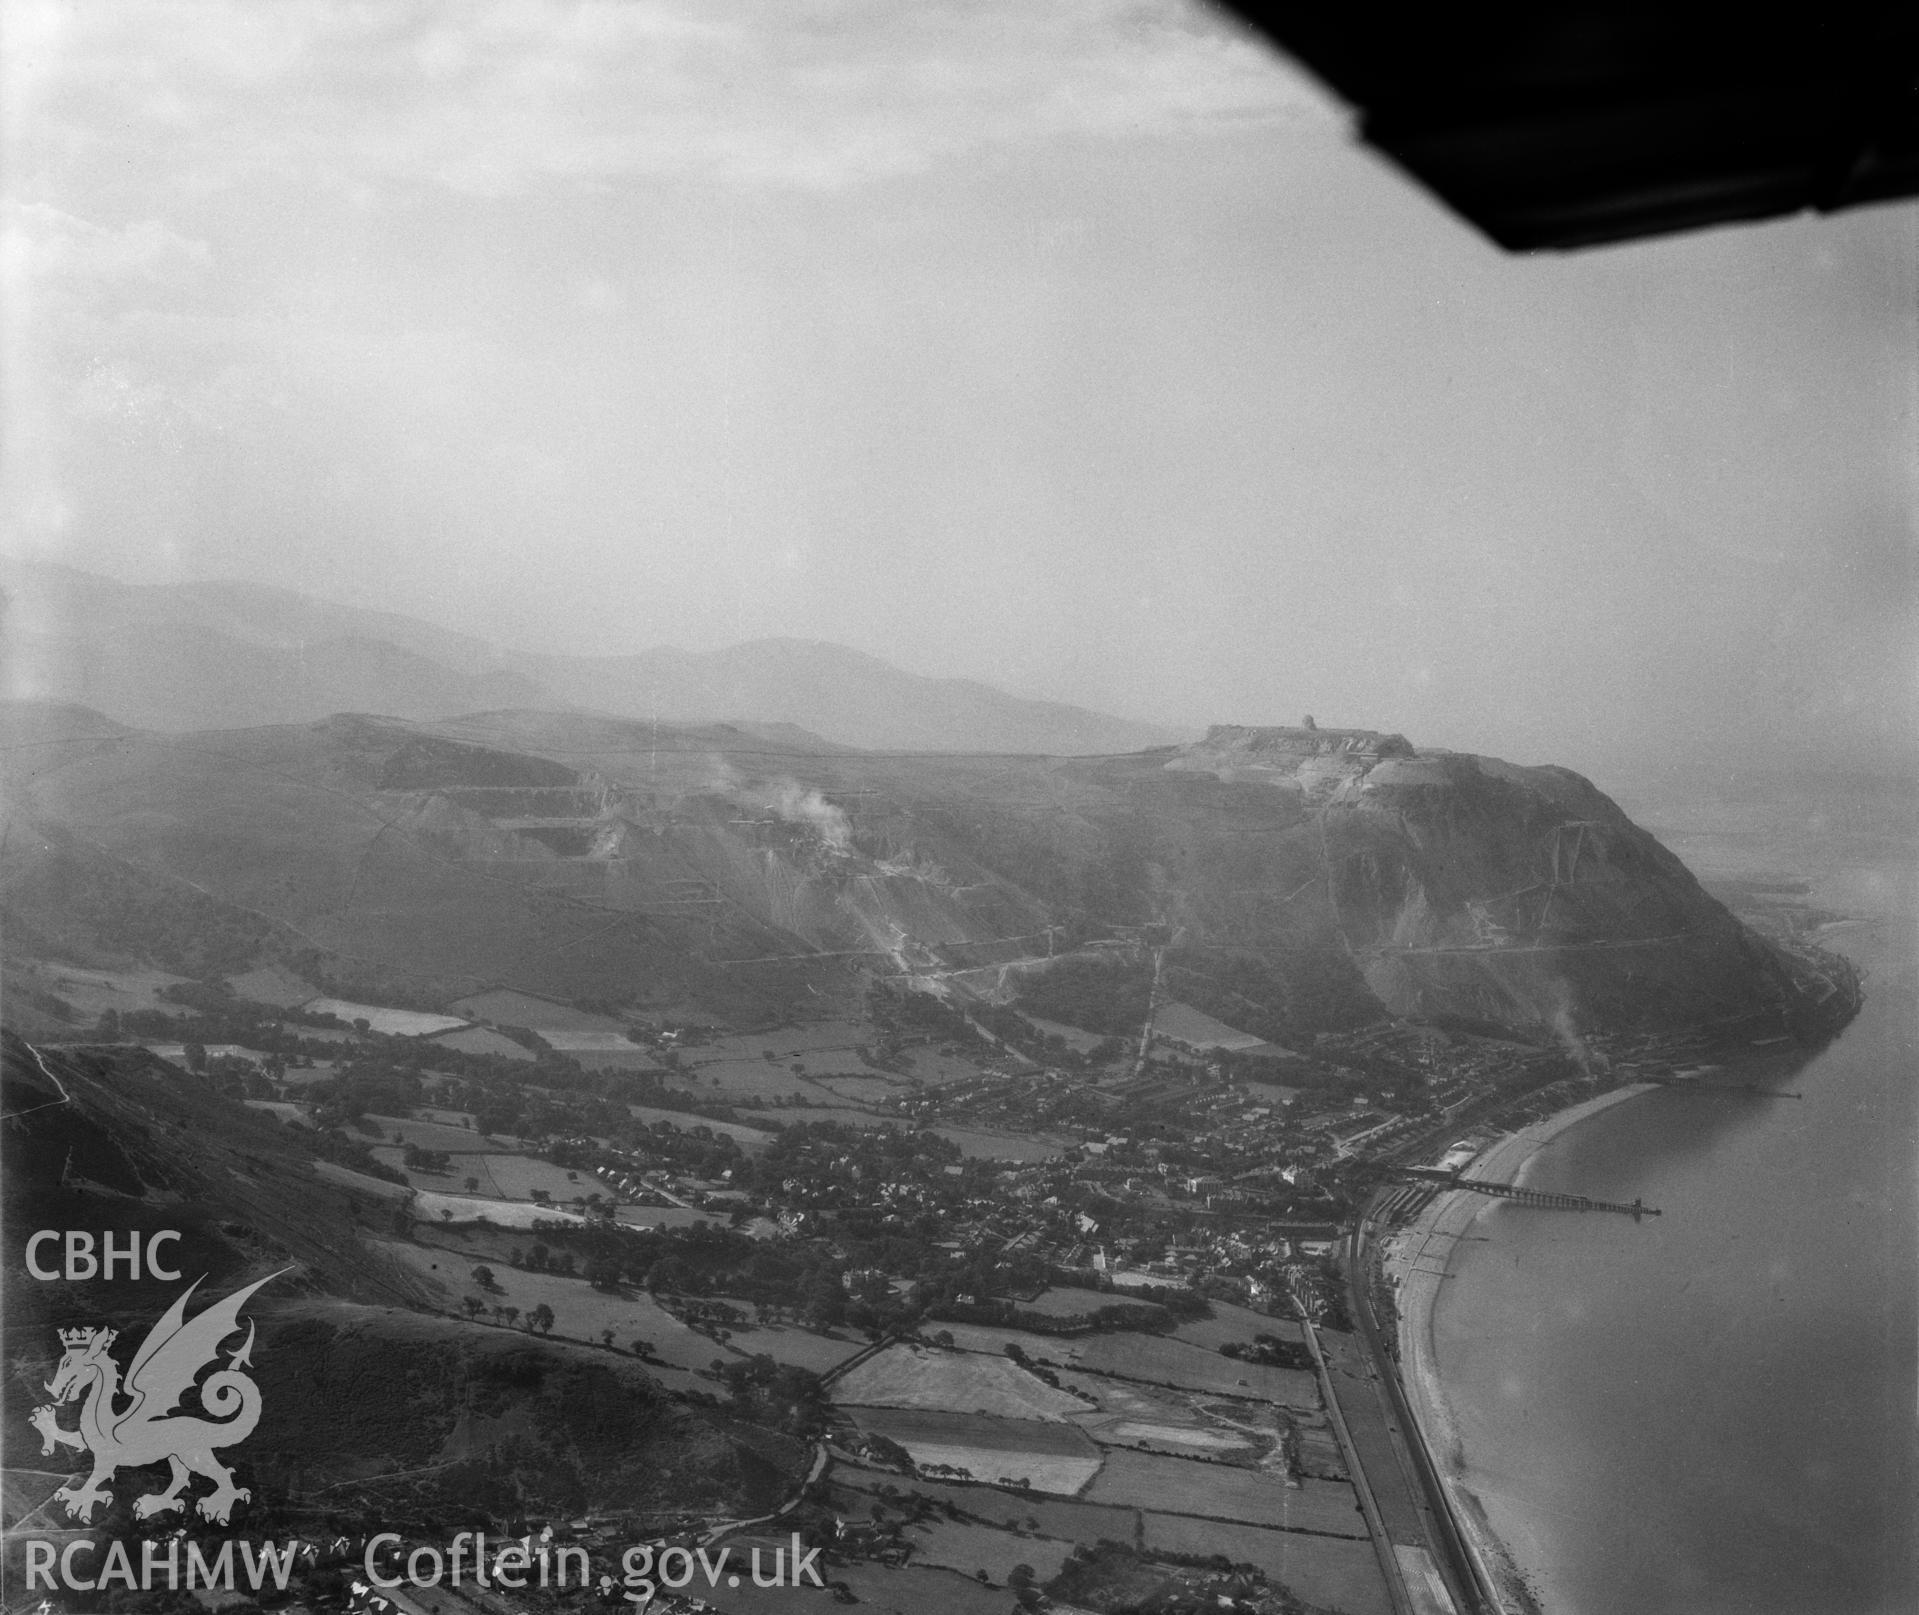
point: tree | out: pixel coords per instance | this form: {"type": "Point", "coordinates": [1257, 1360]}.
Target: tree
{"type": "Point", "coordinates": [472, 1185]}
{"type": "Point", "coordinates": [195, 1055]}
{"type": "Point", "coordinates": [474, 1305]}
{"type": "Point", "coordinates": [511, 1314]}
{"type": "Point", "coordinates": [483, 1276]}
{"type": "Point", "coordinates": [642, 1348]}
{"type": "Point", "coordinates": [541, 1318]}
{"type": "Point", "coordinates": [606, 1337]}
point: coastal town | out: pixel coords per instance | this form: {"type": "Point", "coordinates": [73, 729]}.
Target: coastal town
{"type": "Point", "coordinates": [1054, 1316]}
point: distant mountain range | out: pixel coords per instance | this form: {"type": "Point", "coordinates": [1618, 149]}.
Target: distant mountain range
{"type": "Point", "coordinates": [191, 656]}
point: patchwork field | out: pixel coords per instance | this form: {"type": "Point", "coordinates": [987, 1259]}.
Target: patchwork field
{"type": "Point", "coordinates": [855, 1089]}
{"type": "Point", "coordinates": [1229, 1323]}
{"type": "Point", "coordinates": [993, 1341]}
{"type": "Point", "coordinates": [432, 1135]}
{"type": "Point", "coordinates": [391, 1022]}
{"type": "Point", "coordinates": [505, 1177]}
{"type": "Point", "coordinates": [787, 1042]}
{"type": "Point", "coordinates": [1066, 1520]}
{"type": "Point", "coordinates": [1152, 1359]}
{"type": "Point", "coordinates": [983, 1146]}
{"type": "Point", "coordinates": [517, 1176]}
{"type": "Point", "coordinates": [1071, 1036]}
{"type": "Point", "coordinates": [360, 1183]}
{"type": "Point", "coordinates": [1174, 1362]}
{"type": "Point", "coordinates": [1051, 1457]}
{"type": "Point", "coordinates": [973, 1548]}
{"type": "Point", "coordinates": [580, 1312]}
{"type": "Point", "coordinates": [1071, 1303]}
{"type": "Point", "coordinates": [1185, 1024]}
{"type": "Point", "coordinates": [1336, 1573]}
{"type": "Point", "coordinates": [590, 1041]}
{"type": "Point", "coordinates": [274, 985]}
{"type": "Point", "coordinates": [936, 1068]}
{"type": "Point", "coordinates": [91, 991]}
{"type": "Point", "coordinates": [665, 1216]}
{"type": "Point", "coordinates": [504, 1007]}
{"type": "Point", "coordinates": [1223, 1492]}
{"type": "Point", "coordinates": [431, 1205]}
{"type": "Point", "coordinates": [905, 1376]}
{"type": "Point", "coordinates": [482, 1040]}
{"type": "Point", "coordinates": [1118, 1398]}
{"type": "Point", "coordinates": [1186, 1440]}
{"type": "Point", "coordinates": [844, 1115]}
{"type": "Point", "coordinates": [785, 1343]}
{"type": "Point", "coordinates": [747, 1079]}
{"type": "Point", "coordinates": [681, 1121]}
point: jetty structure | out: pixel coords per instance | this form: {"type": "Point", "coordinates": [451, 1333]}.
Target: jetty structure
{"type": "Point", "coordinates": [1524, 1197]}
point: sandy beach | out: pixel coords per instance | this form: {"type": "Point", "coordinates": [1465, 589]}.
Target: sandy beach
{"type": "Point", "coordinates": [1416, 1261]}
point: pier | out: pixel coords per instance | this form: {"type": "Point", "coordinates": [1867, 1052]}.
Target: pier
{"type": "Point", "coordinates": [1525, 1197]}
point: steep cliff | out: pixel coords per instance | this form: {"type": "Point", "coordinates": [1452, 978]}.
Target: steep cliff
{"type": "Point", "coordinates": [1328, 875]}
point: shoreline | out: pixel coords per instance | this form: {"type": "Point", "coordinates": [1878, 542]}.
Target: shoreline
{"type": "Point", "coordinates": [1415, 1284]}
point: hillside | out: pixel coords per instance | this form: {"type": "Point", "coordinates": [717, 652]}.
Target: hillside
{"type": "Point", "coordinates": [355, 1384]}
{"type": "Point", "coordinates": [179, 657]}
{"type": "Point", "coordinates": [1319, 877]}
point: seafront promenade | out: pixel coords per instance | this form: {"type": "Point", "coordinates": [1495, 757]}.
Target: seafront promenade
{"type": "Point", "coordinates": [1416, 1260]}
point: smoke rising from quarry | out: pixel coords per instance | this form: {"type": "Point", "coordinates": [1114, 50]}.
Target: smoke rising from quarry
{"type": "Point", "coordinates": [801, 806]}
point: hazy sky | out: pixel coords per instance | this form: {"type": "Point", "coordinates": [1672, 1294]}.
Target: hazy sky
{"type": "Point", "coordinates": [1069, 344]}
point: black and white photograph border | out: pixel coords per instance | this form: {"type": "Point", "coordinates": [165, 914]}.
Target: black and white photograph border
{"type": "Point", "coordinates": [996, 805]}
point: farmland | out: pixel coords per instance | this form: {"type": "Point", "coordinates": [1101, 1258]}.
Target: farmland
{"type": "Point", "coordinates": [1077, 1303]}
{"type": "Point", "coordinates": [92, 991]}
{"type": "Point", "coordinates": [483, 1040]}
{"type": "Point", "coordinates": [986, 1146]}
{"type": "Point", "coordinates": [432, 1135]}
{"type": "Point", "coordinates": [1223, 1492]}
{"type": "Point", "coordinates": [430, 1204]}
{"type": "Point", "coordinates": [570, 1040]}
{"type": "Point", "coordinates": [749, 1079]}
{"type": "Point", "coordinates": [957, 1382]}
{"type": "Point", "coordinates": [742, 1135]}
{"type": "Point", "coordinates": [580, 1312]}
{"type": "Point", "coordinates": [392, 1022]}
{"type": "Point", "coordinates": [1187, 1441]}
{"type": "Point", "coordinates": [1051, 1457]}
{"type": "Point", "coordinates": [1173, 1362]}
{"type": "Point", "coordinates": [1231, 1323]}
{"type": "Point", "coordinates": [1066, 1519]}
{"type": "Point", "coordinates": [1338, 1573]}
{"type": "Point", "coordinates": [972, 1548]}
{"type": "Point", "coordinates": [505, 1007]}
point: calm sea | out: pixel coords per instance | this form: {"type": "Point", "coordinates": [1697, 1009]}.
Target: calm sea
{"type": "Point", "coordinates": [1716, 1410]}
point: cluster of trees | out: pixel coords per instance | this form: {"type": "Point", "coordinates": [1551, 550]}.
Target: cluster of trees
{"type": "Point", "coordinates": [1110, 996]}
{"type": "Point", "coordinates": [1271, 1351]}
{"type": "Point", "coordinates": [774, 1395]}
{"type": "Point", "coordinates": [540, 1319]}
{"type": "Point", "coordinates": [423, 1160]}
